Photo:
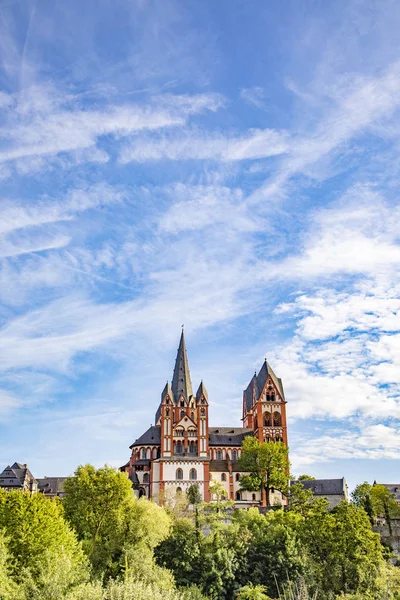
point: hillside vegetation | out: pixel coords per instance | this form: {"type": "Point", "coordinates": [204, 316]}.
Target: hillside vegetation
{"type": "Point", "coordinates": [101, 543]}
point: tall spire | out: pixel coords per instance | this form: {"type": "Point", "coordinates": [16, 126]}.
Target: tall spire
{"type": "Point", "coordinates": [181, 383]}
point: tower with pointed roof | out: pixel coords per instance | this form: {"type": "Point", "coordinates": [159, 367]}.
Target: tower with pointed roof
{"type": "Point", "coordinates": [181, 449]}
{"type": "Point", "coordinates": [264, 406]}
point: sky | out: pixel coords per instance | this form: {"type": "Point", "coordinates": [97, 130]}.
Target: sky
{"type": "Point", "coordinates": [231, 166]}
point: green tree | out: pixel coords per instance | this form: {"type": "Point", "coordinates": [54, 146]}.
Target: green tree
{"type": "Point", "coordinates": [267, 465]}
{"type": "Point", "coordinates": [193, 494]}
{"type": "Point", "coordinates": [114, 527]}
{"type": "Point", "coordinates": [8, 588]}
{"type": "Point", "coordinates": [252, 592]}
{"type": "Point", "coordinates": [37, 533]}
{"type": "Point", "coordinates": [305, 478]}
{"type": "Point", "coordinates": [274, 552]}
{"type": "Point", "coordinates": [343, 553]}
{"type": "Point", "coordinates": [377, 501]}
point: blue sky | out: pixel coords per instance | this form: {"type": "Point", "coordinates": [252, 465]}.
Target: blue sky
{"type": "Point", "coordinates": [233, 166]}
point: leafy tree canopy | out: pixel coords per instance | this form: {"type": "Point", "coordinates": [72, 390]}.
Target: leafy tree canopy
{"type": "Point", "coordinates": [267, 465]}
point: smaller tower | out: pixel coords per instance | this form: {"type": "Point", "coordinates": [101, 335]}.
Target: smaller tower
{"type": "Point", "coordinates": [264, 406]}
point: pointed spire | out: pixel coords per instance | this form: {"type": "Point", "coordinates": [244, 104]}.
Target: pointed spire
{"type": "Point", "coordinates": [202, 391]}
{"type": "Point", "coordinates": [181, 383]}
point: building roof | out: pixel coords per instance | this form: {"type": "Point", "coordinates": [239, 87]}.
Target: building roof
{"type": "Point", "coordinates": [228, 436]}
{"type": "Point", "coordinates": [325, 487]}
{"type": "Point", "coordinates": [202, 391]}
{"type": "Point", "coordinates": [221, 466]}
{"type": "Point", "coordinates": [181, 382]}
{"type": "Point", "coordinates": [151, 437]}
{"type": "Point", "coordinates": [257, 383]}
{"type": "Point", "coordinates": [20, 473]}
{"type": "Point", "coordinates": [51, 485]}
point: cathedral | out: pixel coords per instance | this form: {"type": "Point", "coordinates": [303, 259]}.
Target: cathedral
{"type": "Point", "coordinates": [182, 449]}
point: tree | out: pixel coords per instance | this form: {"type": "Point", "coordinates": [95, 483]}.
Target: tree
{"type": "Point", "coordinates": [38, 534]}
{"type": "Point", "coordinates": [274, 552]}
{"type": "Point", "coordinates": [217, 490]}
{"type": "Point", "coordinates": [252, 592]}
{"type": "Point", "coordinates": [114, 527]}
{"type": "Point", "coordinates": [343, 553]}
{"type": "Point", "coordinates": [8, 588]}
{"type": "Point", "coordinates": [268, 466]}
{"type": "Point", "coordinates": [377, 501]}
{"type": "Point", "coordinates": [305, 478]}
{"type": "Point", "coordinates": [193, 494]}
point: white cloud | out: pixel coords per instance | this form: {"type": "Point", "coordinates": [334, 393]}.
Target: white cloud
{"type": "Point", "coordinates": [17, 215]}
{"type": "Point", "coordinates": [199, 207]}
{"type": "Point", "coordinates": [43, 122]}
{"type": "Point", "coordinates": [357, 105]}
{"type": "Point", "coordinates": [198, 145]}
{"type": "Point", "coordinates": [253, 95]}
{"type": "Point", "coordinates": [374, 442]}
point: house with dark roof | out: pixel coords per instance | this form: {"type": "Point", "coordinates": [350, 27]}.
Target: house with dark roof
{"type": "Point", "coordinates": [333, 490]}
{"type": "Point", "coordinates": [52, 486]}
{"type": "Point", "coordinates": [18, 477]}
{"type": "Point", "coordinates": [181, 448]}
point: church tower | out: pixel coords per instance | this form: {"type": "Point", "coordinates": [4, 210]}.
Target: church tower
{"type": "Point", "coordinates": [183, 420]}
{"type": "Point", "coordinates": [264, 406]}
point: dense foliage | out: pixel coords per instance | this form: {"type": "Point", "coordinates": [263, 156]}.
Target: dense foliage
{"type": "Point", "coordinates": [101, 543]}
{"type": "Point", "coordinates": [267, 467]}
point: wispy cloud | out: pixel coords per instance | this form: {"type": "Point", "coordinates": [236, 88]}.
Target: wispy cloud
{"type": "Point", "coordinates": [195, 145]}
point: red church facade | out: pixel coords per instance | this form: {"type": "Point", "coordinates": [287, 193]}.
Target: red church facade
{"type": "Point", "coordinates": [182, 449]}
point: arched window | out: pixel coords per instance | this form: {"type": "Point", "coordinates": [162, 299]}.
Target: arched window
{"type": "Point", "coordinates": [179, 490]}
{"type": "Point", "coordinates": [223, 477]}
{"type": "Point", "coordinates": [182, 413]}
{"type": "Point", "coordinates": [238, 496]}
{"type": "Point", "coordinates": [146, 478]}
{"type": "Point", "coordinates": [167, 412]}
{"type": "Point", "coordinates": [219, 454]}
{"type": "Point", "coordinates": [182, 403]}
{"type": "Point", "coordinates": [143, 453]}
{"type": "Point", "coordinates": [179, 474]}
{"type": "Point", "coordinates": [237, 477]}
{"type": "Point", "coordinates": [277, 419]}
{"type": "Point", "coordinates": [234, 455]}
{"type": "Point", "coordinates": [253, 497]}
{"type": "Point", "coordinates": [203, 411]}
{"type": "Point", "coordinates": [267, 419]}
{"type": "Point", "coordinates": [178, 448]}
{"type": "Point", "coordinates": [192, 415]}
{"type": "Point", "coordinates": [142, 493]}
{"type": "Point", "coordinates": [193, 475]}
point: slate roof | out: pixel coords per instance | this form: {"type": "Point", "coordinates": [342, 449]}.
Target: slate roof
{"type": "Point", "coordinates": [20, 473]}
{"type": "Point", "coordinates": [228, 436]}
{"type": "Point", "coordinates": [181, 382]}
{"type": "Point", "coordinates": [51, 485]}
{"type": "Point", "coordinates": [258, 382]}
{"type": "Point", "coordinates": [151, 436]}
{"type": "Point", "coordinates": [221, 466]}
{"type": "Point", "coordinates": [325, 487]}
{"type": "Point", "coordinates": [202, 391]}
